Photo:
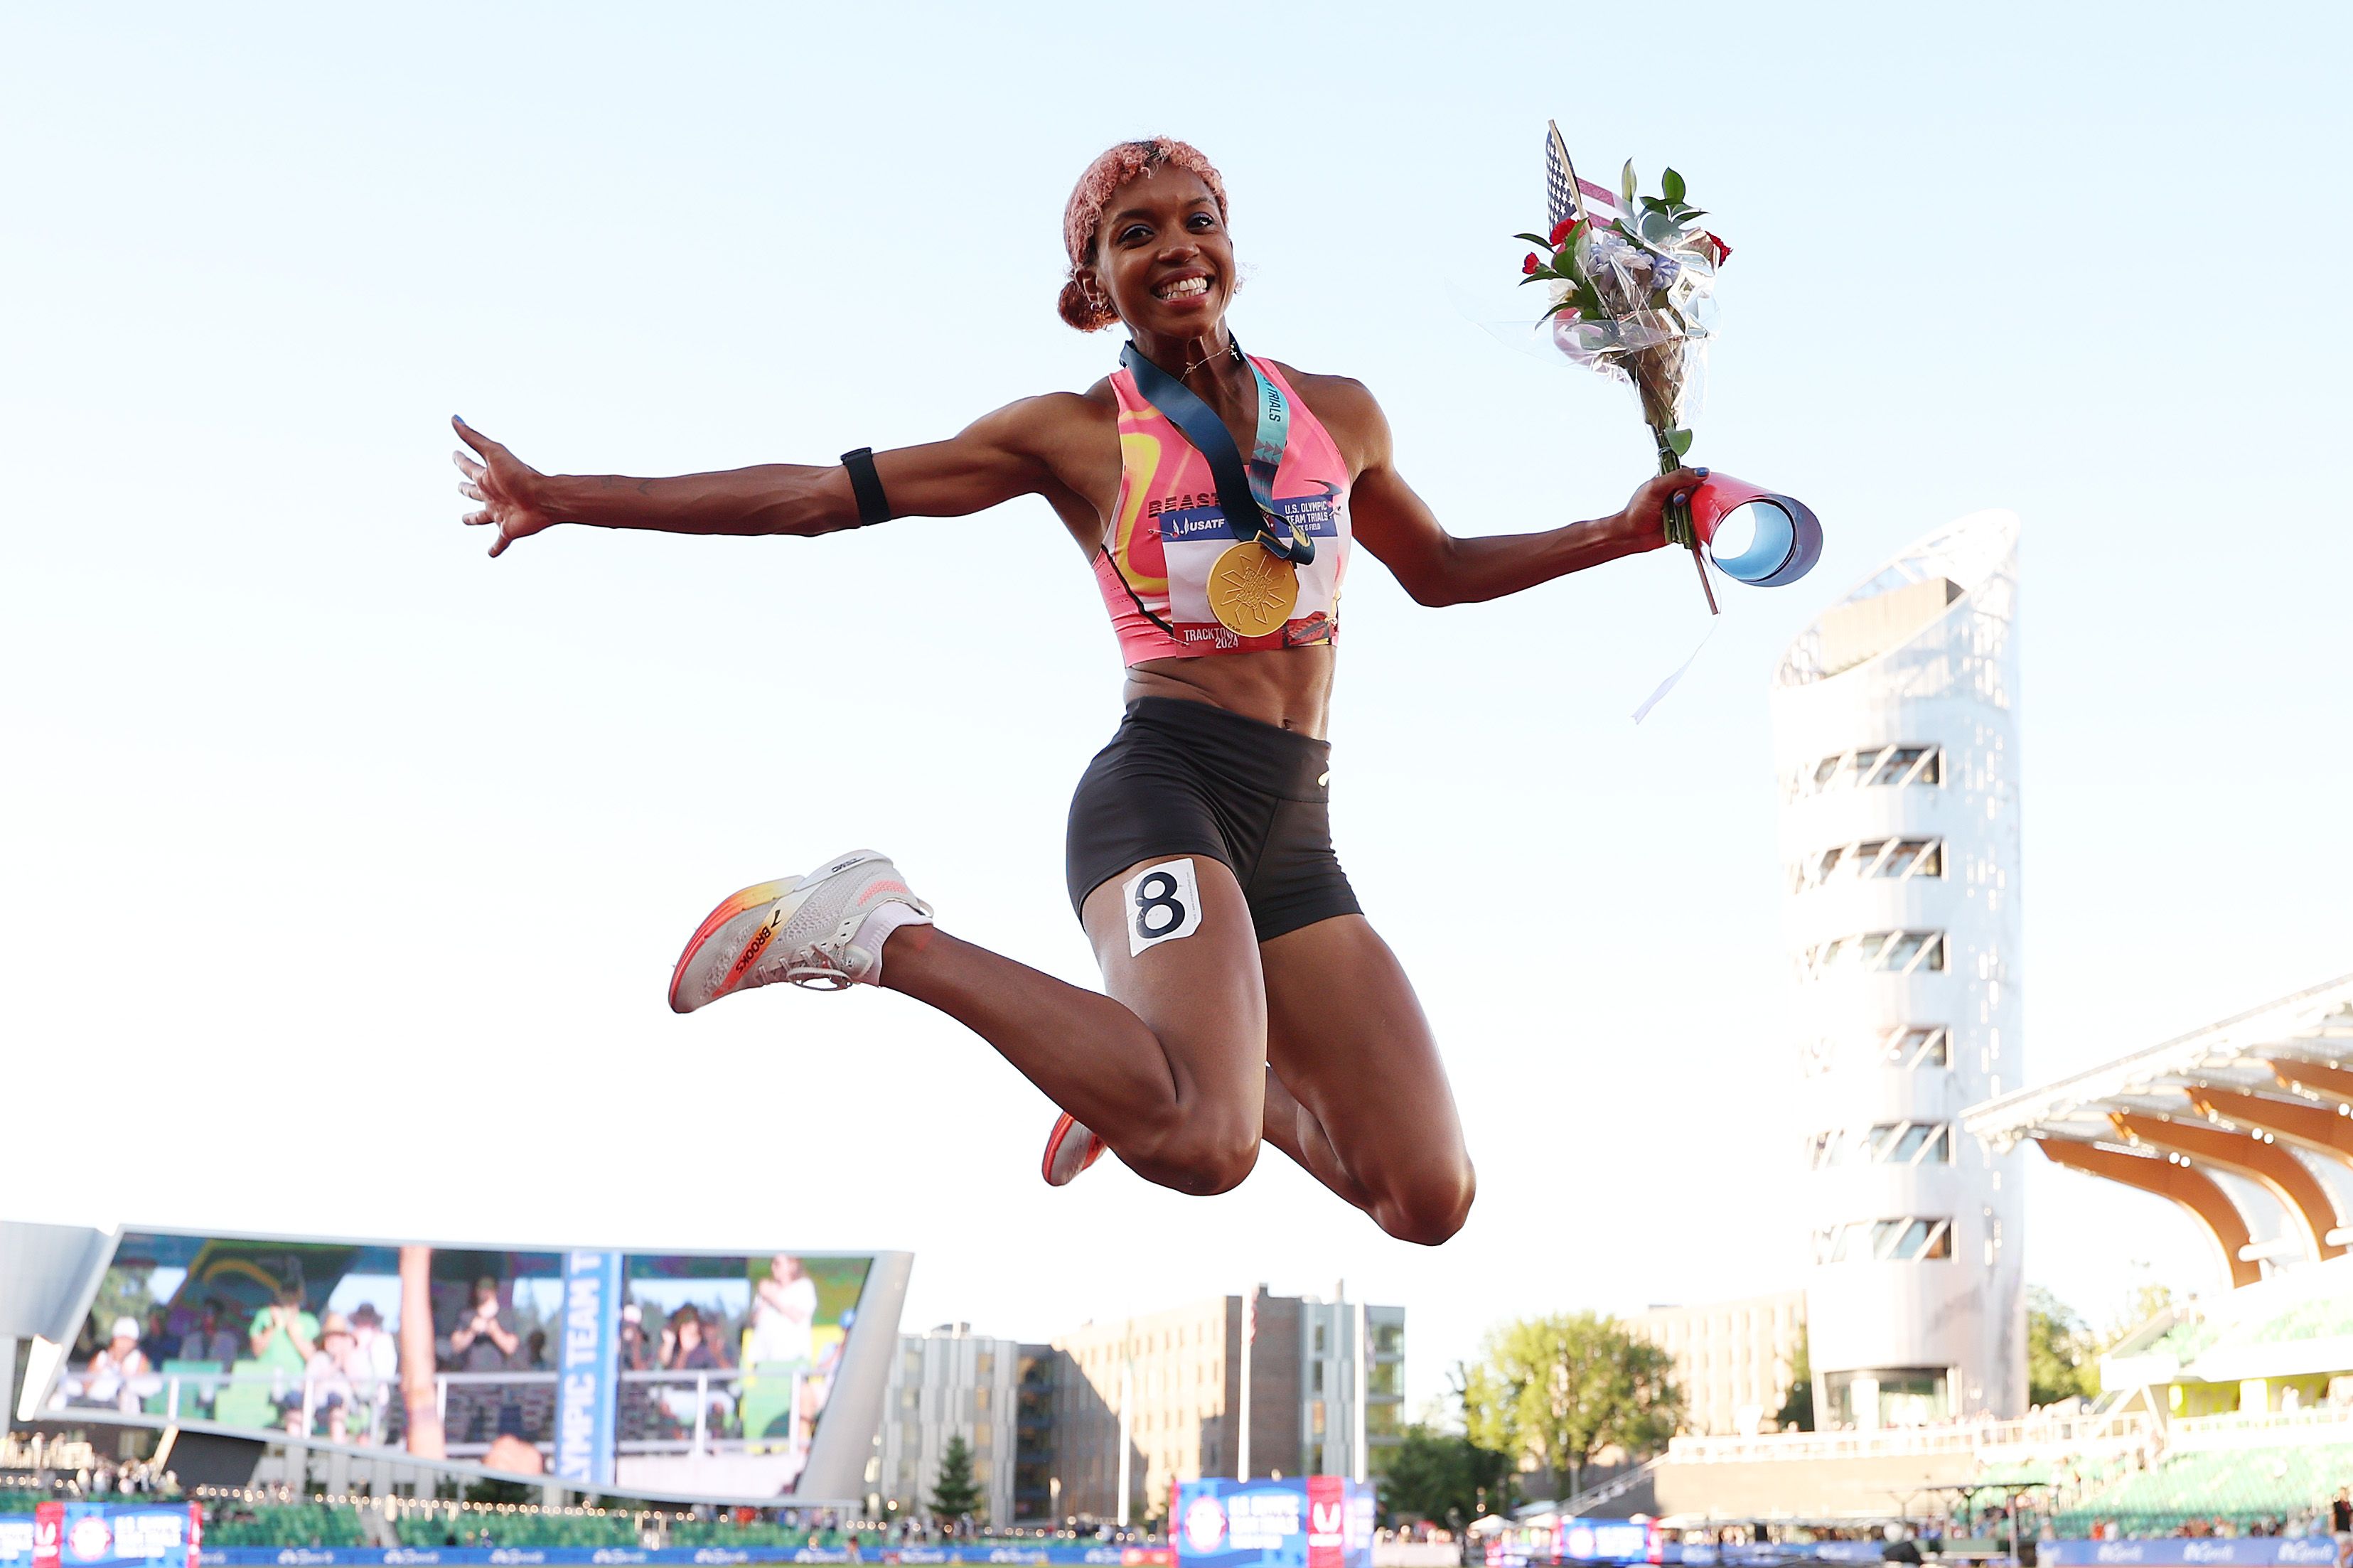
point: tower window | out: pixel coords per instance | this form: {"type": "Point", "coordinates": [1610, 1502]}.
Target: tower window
{"type": "Point", "coordinates": [1909, 1240]}
{"type": "Point", "coordinates": [1882, 859]}
{"type": "Point", "coordinates": [1911, 1047]}
{"type": "Point", "coordinates": [1882, 1144]}
{"type": "Point", "coordinates": [1874, 951]}
{"type": "Point", "coordinates": [1868, 766]}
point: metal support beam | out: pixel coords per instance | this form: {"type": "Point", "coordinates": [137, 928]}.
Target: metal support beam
{"type": "Point", "coordinates": [2301, 1122]}
{"type": "Point", "coordinates": [2277, 1170]}
{"type": "Point", "coordinates": [2194, 1190]}
{"type": "Point", "coordinates": [2314, 1077]}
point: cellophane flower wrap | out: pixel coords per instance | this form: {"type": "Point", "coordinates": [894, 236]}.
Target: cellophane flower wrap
{"type": "Point", "coordinates": [1631, 279]}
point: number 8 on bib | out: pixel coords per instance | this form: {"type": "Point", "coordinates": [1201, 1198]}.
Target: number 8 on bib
{"type": "Point", "coordinates": [1163, 902]}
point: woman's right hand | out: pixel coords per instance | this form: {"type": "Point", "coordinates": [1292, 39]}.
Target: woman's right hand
{"type": "Point", "coordinates": [508, 489]}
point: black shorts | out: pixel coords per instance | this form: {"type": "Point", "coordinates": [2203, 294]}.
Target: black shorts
{"type": "Point", "coordinates": [1186, 778]}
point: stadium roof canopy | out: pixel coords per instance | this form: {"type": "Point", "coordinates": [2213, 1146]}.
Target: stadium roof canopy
{"type": "Point", "coordinates": [2266, 1096]}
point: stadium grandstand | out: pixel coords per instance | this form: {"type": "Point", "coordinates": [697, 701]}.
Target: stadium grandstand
{"type": "Point", "coordinates": [2229, 1413]}
{"type": "Point", "coordinates": [2246, 1125]}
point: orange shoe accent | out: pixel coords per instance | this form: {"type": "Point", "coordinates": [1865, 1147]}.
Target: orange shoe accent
{"type": "Point", "coordinates": [1063, 1127]}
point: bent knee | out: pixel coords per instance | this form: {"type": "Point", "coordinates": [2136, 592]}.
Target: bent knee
{"type": "Point", "coordinates": [1429, 1209]}
{"type": "Point", "coordinates": [1206, 1155]}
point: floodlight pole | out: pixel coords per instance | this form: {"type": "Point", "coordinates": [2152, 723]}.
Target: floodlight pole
{"type": "Point", "coordinates": [1126, 1425]}
{"type": "Point", "coordinates": [1242, 1422]}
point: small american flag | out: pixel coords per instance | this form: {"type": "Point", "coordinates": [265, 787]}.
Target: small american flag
{"type": "Point", "coordinates": [1566, 196]}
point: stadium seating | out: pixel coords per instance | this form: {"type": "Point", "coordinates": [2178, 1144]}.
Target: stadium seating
{"type": "Point", "coordinates": [723, 1532]}
{"type": "Point", "coordinates": [284, 1524]}
{"type": "Point", "coordinates": [2237, 1482]}
{"type": "Point", "coordinates": [520, 1530]}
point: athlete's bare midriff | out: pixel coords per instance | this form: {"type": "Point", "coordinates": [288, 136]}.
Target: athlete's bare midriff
{"type": "Point", "coordinates": [1289, 688]}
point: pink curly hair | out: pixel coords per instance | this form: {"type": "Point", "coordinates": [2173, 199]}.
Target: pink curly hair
{"type": "Point", "coordinates": [1091, 312]}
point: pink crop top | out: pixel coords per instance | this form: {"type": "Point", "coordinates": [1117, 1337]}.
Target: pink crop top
{"type": "Point", "coordinates": [1168, 533]}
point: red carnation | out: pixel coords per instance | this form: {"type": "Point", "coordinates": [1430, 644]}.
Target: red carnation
{"type": "Point", "coordinates": [1530, 264]}
{"type": "Point", "coordinates": [1723, 251]}
{"type": "Point", "coordinates": [1563, 229]}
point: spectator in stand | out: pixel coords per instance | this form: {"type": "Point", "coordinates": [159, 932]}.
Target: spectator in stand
{"type": "Point", "coordinates": [483, 1343]}
{"type": "Point", "coordinates": [2340, 1515]}
{"type": "Point", "coordinates": [158, 1344]}
{"type": "Point", "coordinates": [375, 1357]}
{"type": "Point", "coordinates": [684, 1348]}
{"type": "Point", "coordinates": [329, 1375]}
{"type": "Point", "coordinates": [118, 1372]}
{"type": "Point", "coordinates": [783, 1313]}
{"type": "Point", "coordinates": [633, 1355]}
{"type": "Point", "coordinates": [534, 1351]}
{"type": "Point", "coordinates": [283, 1339]}
{"type": "Point", "coordinates": [211, 1340]}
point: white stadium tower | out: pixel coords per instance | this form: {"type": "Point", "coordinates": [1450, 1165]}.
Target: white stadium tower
{"type": "Point", "coordinates": [1895, 733]}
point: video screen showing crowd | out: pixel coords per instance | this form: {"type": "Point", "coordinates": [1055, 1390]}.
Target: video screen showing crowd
{"type": "Point", "coordinates": [715, 1370]}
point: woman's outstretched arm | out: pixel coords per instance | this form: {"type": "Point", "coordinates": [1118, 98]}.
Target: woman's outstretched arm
{"type": "Point", "coordinates": [1436, 567]}
{"type": "Point", "coordinates": [1019, 449]}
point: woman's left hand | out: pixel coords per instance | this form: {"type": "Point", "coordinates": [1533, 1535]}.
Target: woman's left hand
{"type": "Point", "coordinates": [1643, 525]}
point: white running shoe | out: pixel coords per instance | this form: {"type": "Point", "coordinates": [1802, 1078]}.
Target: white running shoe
{"type": "Point", "coordinates": [1070, 1148]}
{"type": "Point", "coordinates": [801, 929]}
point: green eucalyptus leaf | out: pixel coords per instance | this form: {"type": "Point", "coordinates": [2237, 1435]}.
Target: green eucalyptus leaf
{"type": "Point", "coordinates": [1679, 441]}
{"type": "Point", "coordinates": [1670, 185]}
{"type": "Point", "coordinates": [1657, 227]}
{"type": "Point", "coordinates": [1626, 182]}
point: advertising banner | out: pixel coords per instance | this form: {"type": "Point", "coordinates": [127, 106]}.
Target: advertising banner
{"type": "Point", "coordinates": [2196, 1551]}
{"type": "Point", "coordinates": [588, 1374]}
{"type": "Point", "coordinates": [114, 1535]}
{"type": "Point", "coordinates": [1313, 1521]}
{"type": "Point", "coordinates": [998, 1555]}
{"type": "Point", "coordinates": [1607, 1540]}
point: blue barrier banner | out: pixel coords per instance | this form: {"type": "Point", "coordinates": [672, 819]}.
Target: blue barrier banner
{"type": "Point", "coordinates": [2195, 1551]}
{"type": "Point", "coordinates": [1605, 1541]}
{"type": "Point", "coordinates": [59, 1534]}
{"type": "Point", "coordinates": [588, 1369]}
{"type": "Point", "coordinates": [1058, 1556]}
{"type": "Point", "coordinates": [1314, 1522]}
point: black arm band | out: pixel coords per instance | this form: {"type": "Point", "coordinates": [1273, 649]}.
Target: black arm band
{"type": "Point", "coordinates": [873, 506]}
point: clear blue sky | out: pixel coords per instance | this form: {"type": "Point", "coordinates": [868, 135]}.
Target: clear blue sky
{"type": "Point", "coordinates": [348, 864]}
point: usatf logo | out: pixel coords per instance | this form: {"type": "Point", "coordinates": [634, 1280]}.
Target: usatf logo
{"type": "Point", "coordinates": [89, 1538]}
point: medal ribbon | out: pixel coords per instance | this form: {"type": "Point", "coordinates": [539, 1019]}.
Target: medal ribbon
{"type": "Point", "coordinates": [1245, 494]}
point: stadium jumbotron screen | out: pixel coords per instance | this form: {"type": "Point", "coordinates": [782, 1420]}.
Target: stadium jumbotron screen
{"type": "Point", "coordinates": [653, 1374]}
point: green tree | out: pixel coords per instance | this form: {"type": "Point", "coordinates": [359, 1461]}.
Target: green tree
{"type": "Point", "coordinates": [1797, 1412]}
{"type": "Point", "coordinates": [1557, 1391]}
{"type": "Point", "coordinates": [2062, 1361]}
{"type": "Point", "coordinates": [1442, 1476]}
{"type": "Point", "coordinates": [953, 1495]}
{"type": "Point", "coordinates": [2144, 1302]}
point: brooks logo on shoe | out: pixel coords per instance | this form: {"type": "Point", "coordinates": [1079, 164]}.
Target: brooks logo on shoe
{"type": "Point", "coordinates": [751, 950]}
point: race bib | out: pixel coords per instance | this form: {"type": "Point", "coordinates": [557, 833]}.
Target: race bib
{"type": "Point", "coordinates": [1163, 902]}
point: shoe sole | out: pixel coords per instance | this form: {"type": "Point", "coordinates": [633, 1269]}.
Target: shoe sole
{"type": "Point", "coordinates": [767, 903]}
{"type": "Point", "coordinates": [1063, 1129]}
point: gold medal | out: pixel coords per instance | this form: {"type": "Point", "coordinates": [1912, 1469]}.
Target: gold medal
{"type": "Point", "coordinates": [1252, 590]}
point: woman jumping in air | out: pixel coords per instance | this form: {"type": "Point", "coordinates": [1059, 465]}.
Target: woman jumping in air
{"type": "Point", "coordinates": [1249, 999]}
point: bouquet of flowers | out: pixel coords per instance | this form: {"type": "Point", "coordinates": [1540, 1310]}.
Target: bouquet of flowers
{"type": "Point", "coordinates": [1631, 279]}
